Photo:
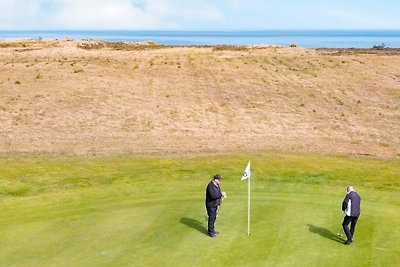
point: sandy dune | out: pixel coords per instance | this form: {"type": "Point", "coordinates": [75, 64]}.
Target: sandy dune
{"type": "Point", "coordinates": [89, 97]}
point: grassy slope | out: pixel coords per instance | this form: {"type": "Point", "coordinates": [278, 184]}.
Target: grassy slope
{"type": "Point", "coordinates": [138, 212]}
{"type": "Point", "coordinates": [57, 98]}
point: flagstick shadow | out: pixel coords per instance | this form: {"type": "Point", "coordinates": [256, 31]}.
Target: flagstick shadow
{"type": "Point", "coordinates": [195, 224]}
{"type": "Point", "coordinates": [324, 232]}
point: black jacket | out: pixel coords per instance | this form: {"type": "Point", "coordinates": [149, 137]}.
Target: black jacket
{"type": "Point", "coordinates": [351, 204]}
{"type": "Point", "coordinates": [213, 195]}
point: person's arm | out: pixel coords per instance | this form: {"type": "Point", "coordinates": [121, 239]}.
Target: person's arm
{"type": "Point", "coordinates": [345, 202]}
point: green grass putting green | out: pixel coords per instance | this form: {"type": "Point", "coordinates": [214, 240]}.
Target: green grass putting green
{"type": "Point", "coordinates": [127, 211]}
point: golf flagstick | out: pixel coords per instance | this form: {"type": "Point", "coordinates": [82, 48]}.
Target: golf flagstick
{"type": "Point", "coordinates": [246, 175]}
{"type": "Point", "coordinates": [248, 206]}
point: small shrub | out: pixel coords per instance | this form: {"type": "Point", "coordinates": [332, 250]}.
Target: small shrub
{"type": "Point", "coordinates": [338, 100]}
{"type": "Point", "coordinates": [379, 47]}
{"type": "Point", "coordinates": [136, 66]}
{"type": "Point", "coordinates": [293, 45]}
{"type": "Point", "coordinates": [17, 82]}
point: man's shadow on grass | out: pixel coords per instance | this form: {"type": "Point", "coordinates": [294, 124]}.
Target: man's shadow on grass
{"type": "Point", "coordinates": [324, 232]}
{"type": "Point", "coordinates": [195, 224]}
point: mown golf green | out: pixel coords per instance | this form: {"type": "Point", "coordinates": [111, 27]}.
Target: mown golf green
{"type": "Point", "coordinates": [130, 211]}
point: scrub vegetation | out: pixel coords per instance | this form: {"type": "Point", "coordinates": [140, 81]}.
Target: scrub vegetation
{"type": "Point", "coordinates": [108, 98]}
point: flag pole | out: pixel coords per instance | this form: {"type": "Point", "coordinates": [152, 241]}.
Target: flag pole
{"type": "Point", "coordinates": [246, 175]}
{"type": "Point", "coordinates": [248, 208]}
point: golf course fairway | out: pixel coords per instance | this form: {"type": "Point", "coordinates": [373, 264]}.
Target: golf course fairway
{"type": "Point", "coordinates": [132, 211]}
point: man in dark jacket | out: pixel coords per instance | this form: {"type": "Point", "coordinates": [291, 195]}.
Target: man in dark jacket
{"type": "Point", "coordinates": [213, 200]}
{"type": "Point", "coordinates": [351, 206]}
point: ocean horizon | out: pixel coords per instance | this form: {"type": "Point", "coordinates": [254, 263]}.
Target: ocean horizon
{"type": "Point", "coordinates": [302, 38]}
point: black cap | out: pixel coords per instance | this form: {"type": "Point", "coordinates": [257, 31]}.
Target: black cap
{"type": "Point", "coordinates": [217, 177]}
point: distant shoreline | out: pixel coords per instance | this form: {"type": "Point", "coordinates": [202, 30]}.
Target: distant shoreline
{"type": "Point", "coordinates": [90, 44]}
{"type": "Point", "coordinates": [302, 38]}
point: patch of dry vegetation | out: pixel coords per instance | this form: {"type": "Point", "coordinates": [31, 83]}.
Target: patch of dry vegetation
{"type": "Point", "coordinates": [126, 46]}
{"type": "Point", "coordinates": [143, 98]}
{"type": "Point", "coordinates": [366, 51]}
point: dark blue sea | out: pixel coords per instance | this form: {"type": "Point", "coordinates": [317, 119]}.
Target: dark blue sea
{"type": "Point", "coordinates": [309, 39]}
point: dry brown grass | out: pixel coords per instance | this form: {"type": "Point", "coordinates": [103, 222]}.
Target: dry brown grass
{"type": "Point", "coordinates": [126, 46]}
{"type": "Point", "coordinates": [119, 98]}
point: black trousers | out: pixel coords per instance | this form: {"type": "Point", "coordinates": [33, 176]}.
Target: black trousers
{"type": "Point", "coordinates": [212, 216]}
{"type": "Point", "coordinates": [349, 232]}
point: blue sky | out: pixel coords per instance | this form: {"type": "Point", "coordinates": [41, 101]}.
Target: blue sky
{"type": "Point", "coordinates": [199, 14]}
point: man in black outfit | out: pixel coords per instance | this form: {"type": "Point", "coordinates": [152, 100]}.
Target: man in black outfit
{"type": "Point", "coordinates": [213, 200]}
{"type": "Point", "coordinates": [351, 206]}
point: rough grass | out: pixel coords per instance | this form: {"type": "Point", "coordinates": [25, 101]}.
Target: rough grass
{"type": "Point", "coordinates": [129, 211]}
{"type": "Point", "coordinates": [203, 100]}
{"type": "Point", "coordinates": [125, 46]}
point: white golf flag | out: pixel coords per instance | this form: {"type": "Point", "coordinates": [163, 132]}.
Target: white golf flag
{"type": "Point", "coordinates": [246, 174]}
